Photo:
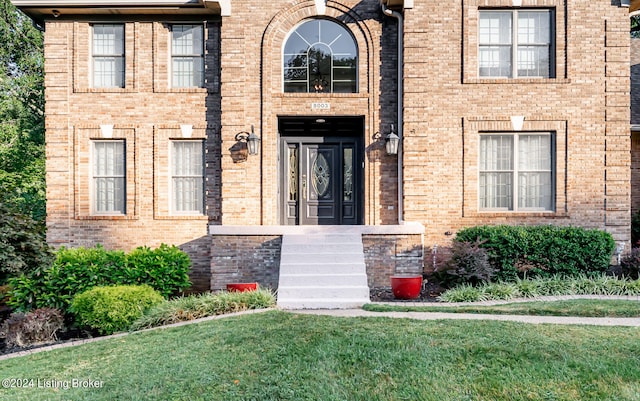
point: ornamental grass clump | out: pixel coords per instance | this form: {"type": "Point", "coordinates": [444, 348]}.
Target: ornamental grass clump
{"type": "Point", "coordinates": [551, 286]}
{"type": "Point", "coordinates": [198, 306]}
{"type": "Point", "coordinates": [464, 293]}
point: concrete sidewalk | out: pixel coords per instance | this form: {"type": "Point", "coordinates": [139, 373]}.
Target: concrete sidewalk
{"type": "Point", "coordinates": [593, 321]}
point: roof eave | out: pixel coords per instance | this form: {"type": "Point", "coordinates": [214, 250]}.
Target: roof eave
{"type": "Point", "coordinates": [40, 10]}
{"type": "Point", "coordinates": [397, 4]}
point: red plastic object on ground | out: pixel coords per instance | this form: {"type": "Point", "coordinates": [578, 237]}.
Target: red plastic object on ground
{"type": "Point", "coordinates": [406, 287]}
{"type": "Point", "coordinates": [242, 287]}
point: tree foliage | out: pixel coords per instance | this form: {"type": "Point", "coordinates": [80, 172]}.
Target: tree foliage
{"type": "Point", "coordinates": [23, 249]}
{"type": "Point", "coordinates": [22, 157]}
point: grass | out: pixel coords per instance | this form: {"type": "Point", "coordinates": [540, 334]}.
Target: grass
{"type": "Point", "coordinates": [283, 356]}
{"type": "Point", "coordinates": [575, 307]}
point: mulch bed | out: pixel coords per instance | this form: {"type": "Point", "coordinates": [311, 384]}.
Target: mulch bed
{"type": "Point", "coordinates": [430, 293]}
{"type": "Point", "coordinates": [65, 336]}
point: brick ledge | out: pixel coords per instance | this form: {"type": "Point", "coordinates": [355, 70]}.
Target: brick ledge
{"type": "Point", "coordinates": [409, 228]}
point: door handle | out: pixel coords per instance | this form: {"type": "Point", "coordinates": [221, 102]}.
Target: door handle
{"type": "Point", "coordinates": [304, 186]}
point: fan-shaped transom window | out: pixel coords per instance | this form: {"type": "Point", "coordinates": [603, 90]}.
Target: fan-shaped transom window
{"type": "Point", "coordinates": [320, 56]}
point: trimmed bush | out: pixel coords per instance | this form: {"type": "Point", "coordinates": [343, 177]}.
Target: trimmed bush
{"type": "Point", "coordinates": [36, 327]}
{"type": "Point", "coordinates": [112, 309]}
{"type": "Point", "coordinates": [198, 306]}
{"type": "Point", "coordinates": [542, 251]}
{"type": "Point", "coordinates": [79, 269]}
{"type": "Point", "coordinates": [165, 269]}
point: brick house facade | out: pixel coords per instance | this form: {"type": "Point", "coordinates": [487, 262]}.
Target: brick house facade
{"type": "Point", "coordinates": [471, 90]}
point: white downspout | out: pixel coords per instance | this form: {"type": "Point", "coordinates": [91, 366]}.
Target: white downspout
{"type": "Point", "coordinates": [394, 14]}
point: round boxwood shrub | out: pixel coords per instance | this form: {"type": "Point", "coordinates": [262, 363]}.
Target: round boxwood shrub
{"type": "Point", "coordinates": [112, 309]}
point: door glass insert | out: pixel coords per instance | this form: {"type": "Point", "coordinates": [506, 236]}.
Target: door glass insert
{"type": "Point", "coordinates": [347, 172]}
{"type": "Point", "coordinates": [321, 175]}
{"type": "Point", "coordinates": [293, 173]}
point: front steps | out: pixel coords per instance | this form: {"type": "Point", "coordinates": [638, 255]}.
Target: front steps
{"type": "Point", "coordinates": [322, 271]}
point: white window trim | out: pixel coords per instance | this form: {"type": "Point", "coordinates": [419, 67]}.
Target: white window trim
{"type": "Point", "coordinates": [202, 55]}
{"type": "Point", "coordinates": [515, 171]}
{"type": "Point", "coordinates": [515, 44]}
{"type": "Point", "coordinates": [172, 206]}
{"type": "Point", "coordinates": [93, 56]}
{"type": "Point", "coordinates": [92, 188]}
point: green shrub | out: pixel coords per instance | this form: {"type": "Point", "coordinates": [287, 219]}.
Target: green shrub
{"type": "Point", "coordinates": [197, 306]}
{"type": "Point", "coordinates": [36, 327]}
{"type": "Point", "coordinates": [467, 262]}
{"type": "Point", "coordinates": [112, 309]}
{"type": "Point", "coordinates": [79, 269]}
{"type": "Point", "coordinates": [542, 251]}
{"type": "Point", "coordinates": [23, 248]}
{"type": "Point", "coordinates": [165, 268]}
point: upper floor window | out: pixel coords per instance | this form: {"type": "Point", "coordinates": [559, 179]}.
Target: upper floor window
{"type": "Point", "coordinates": [108, 55]}
{"type": "Point", "coordinates": [320, 56]}
{"type": "Point", "coordinates": [108, 177]}
{"type": "Point", "coordinates": [516, 172]}
{"type": "Point", "coordinates": [187, 56]}
{"type": "Point", "coordinates": [516, 43]}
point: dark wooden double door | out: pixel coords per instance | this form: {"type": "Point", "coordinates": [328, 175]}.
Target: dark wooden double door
{"type": "Point", "coordinates": [321, 163]}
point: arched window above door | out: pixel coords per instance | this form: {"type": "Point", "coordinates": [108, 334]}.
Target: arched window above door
{"type": "Point", "coordinates": [320, 56]}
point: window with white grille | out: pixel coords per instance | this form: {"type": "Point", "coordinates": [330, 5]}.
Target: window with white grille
{"type": "Point", "coordinates": [108, 55]}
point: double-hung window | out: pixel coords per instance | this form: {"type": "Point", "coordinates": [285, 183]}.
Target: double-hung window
{"type": "Point", "coordinates": [108, 55]}
{"type": "Point", "coordinates": [516, 172]}
{"type": "Point", "coordinates": [187, 176]}
{"type": "Point", "coordinates": [108, 177]}
{"type": "Point", "coordinates": [187, 56]}
{"type": "Point", "coordinates": [516, 43]}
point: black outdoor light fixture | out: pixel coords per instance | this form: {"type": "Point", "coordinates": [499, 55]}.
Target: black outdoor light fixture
{"type": "Point", "coordinates": [252, 140]}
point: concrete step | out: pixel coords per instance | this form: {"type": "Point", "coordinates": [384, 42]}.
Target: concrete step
{"type": "Point", "coordinates": [322, 239]}
{"type": "Point", "coordinates": [321, 268]}
{"type": "Point", "coordinates": [339, 279]}
{"type": "Point", "coordinates": [334, 303]}
{"type": "Point", "coordinates": [318, 258]}
{"type": "Point", "coordinates": [321, 292]}
{"type": "Point", "coordinates": [341, 248]}
{"type": "Point", "coordinates": [322, 271]}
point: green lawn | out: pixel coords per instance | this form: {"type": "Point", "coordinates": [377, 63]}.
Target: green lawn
{"type": "Point", "coordinates": [575, 307]}
{"type": "Point", "coordinates": [283, 356]}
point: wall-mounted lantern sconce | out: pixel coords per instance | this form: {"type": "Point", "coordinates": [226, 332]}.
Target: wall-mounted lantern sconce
{"type": "Point", "coordinates": [391, 141]}
{"type": "Point", "coordinates": [252, 140]}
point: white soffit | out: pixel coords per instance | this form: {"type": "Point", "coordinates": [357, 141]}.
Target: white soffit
{"type": "Point", "coordinates": [39, 9]}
